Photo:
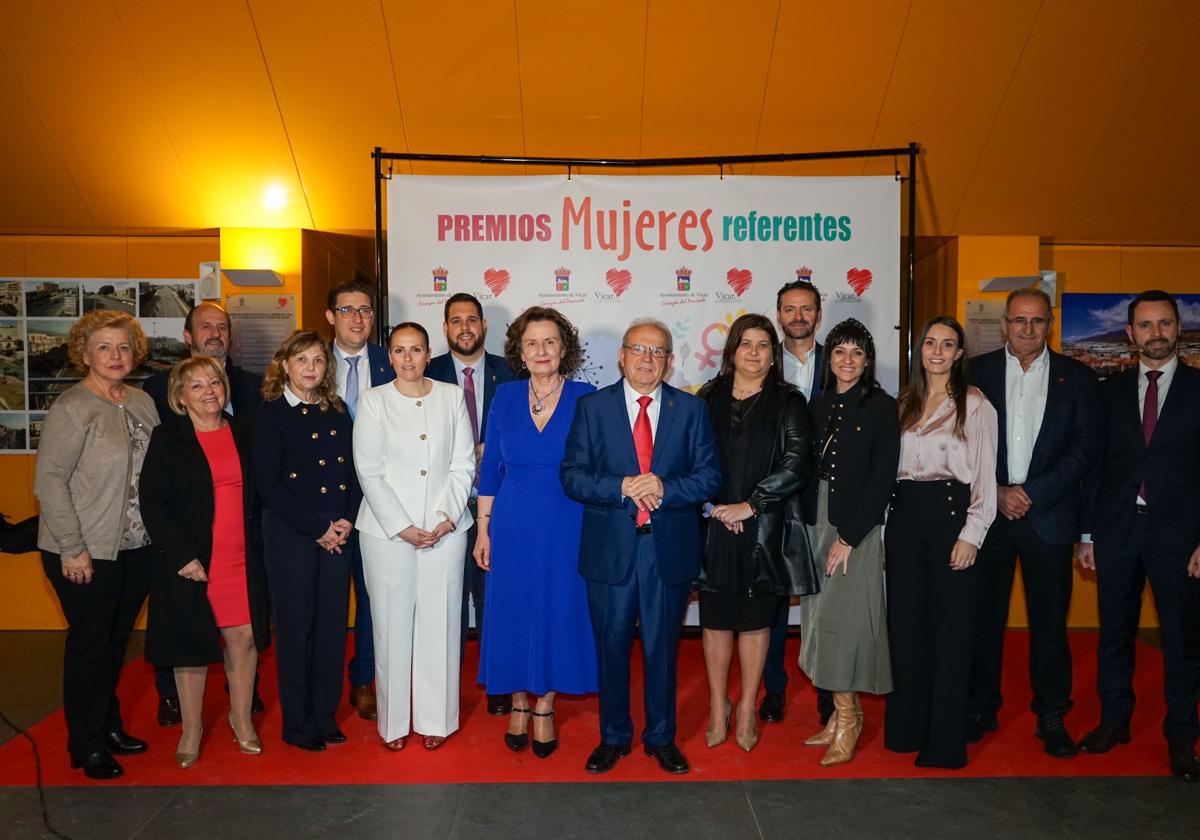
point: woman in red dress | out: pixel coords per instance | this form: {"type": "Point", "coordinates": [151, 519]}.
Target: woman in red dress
{"type": "Point", "coordinates": [198, 506]}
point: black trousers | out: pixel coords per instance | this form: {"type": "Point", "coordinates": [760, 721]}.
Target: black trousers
{"type": "Point", "coordinates": [100, 616]}
{"type": "Point", "coordinates": [931, 610]}
{"type": "Point", "coordinates": [1121, 573]}
{"type": "Point", "coordinates": [308, 601]}
{"type": "Point", "coordinates": [1046, 571]}
{"type": "Point", "coordinates": [474, 582]}
{"type": "Point", "coordinates": [775, 677]}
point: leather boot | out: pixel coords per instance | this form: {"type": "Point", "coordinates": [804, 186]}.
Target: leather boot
{"type": "Point", "coordinates": [846, 729]}
{"type": "Point", "coordinates": [858, 717]}
{"type": "Point", "coordinates": [825, 737]}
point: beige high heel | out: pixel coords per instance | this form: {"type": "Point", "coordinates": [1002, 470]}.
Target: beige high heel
{"type": "Point", "coordinates": [187, 759]}
{"type": "Point", "coordinates": [748, 742]}
{"type": "Point", "coordinates": [250, 746]}
{"type": "Point", "coordinates": [825, 737]}
{"type": "Point", "coordinates": [711, 737]}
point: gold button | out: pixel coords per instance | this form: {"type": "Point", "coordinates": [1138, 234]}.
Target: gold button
{"type": "Point", "coordinates": [422, 437]}
{"type": "Point", "coordinates": [324, 489]}
{"type": "Point", "coordinates": [341, 486]}
{"type": "Point", "coordinates": [333, 432]}
{"type": "Point", "coordinates": [321, 462]}
{"type": "Point", "coordinates": [422, 472]}
{"type": "Point", "coordinates": [418, 403]}
{"type": "Point", "coordinates": [341, 460]}
{"type": "Point", "coordinates": [316, 435]}
{"type": "Point", "coordinates": [291, 475]}
{"type": "Point", "coordinates": [304, 411]}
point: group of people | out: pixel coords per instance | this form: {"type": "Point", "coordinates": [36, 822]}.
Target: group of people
{"type": "Point", "coordinates": [574, 519]}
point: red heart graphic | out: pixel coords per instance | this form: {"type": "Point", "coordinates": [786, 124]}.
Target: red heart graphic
{"type": "Point", "coordinates": [282, 302]}
{"type": "Point", "coordinates": [496, 279]}
{"type": "Point", "coordinates": [618, 279]}
{"type": "Point", "coordinates": [739, 279]}
{"type": "Point", "coordinates": [859, 280]}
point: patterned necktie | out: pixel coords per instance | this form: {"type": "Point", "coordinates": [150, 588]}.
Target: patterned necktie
{"type": "Point", "coordinates": [643, 442]}
{"type": "Point", "coordinates": [1149, 416]}
{"type": "Point", "coordinates": [352, 385]}
{"type": "Point", "coordinates": [469, 390]}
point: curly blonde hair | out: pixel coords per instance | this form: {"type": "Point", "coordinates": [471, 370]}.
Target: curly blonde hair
{"type": "Point", "coordinates": [185, 370]}
{"type": "Point", "coordinates": [102, 319]}
{"type": "Point", "coordinates": [298, 342]}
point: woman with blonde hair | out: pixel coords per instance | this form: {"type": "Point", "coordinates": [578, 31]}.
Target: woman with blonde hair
{"type": "Point", "coordinates": [94, 547]}
{"type": "Point", "coordinates": [210, 587]}
{"type": "Point", "coordinates": [304, 472]}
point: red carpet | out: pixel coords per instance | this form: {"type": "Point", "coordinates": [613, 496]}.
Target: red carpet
{"type": "Point", "coordinates": [477, 754]}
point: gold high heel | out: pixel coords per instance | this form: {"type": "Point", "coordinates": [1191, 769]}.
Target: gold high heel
{"type": "Point", "coordinates": [251, 746]}
{"type": "Point", "coordinates": [823, 738]}
{"type": "Point", "coordinates": [748, 742]}
{"type": "Point", "coordinates": [710, 737]}
{"type": "Point", "coordinates": [187, 759]}
{"type": "Point", "coordinates": [845, 737]}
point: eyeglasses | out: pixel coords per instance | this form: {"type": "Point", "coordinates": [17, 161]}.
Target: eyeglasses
{"type": "Point", "coordinates": [642, 349]}
{"type": "Point", "coordinates": [348, 311]}
{"type": "Point", "coordinates": [1036, 323]}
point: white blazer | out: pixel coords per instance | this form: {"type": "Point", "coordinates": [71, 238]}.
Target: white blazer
{"type": "Point", "coordinates": [415, 459]}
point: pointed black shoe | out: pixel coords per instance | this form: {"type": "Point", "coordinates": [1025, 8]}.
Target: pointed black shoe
{"type": "Point", "coordinates": [517, 743]}
{"type": "Point", "coordinates": [544, 749]}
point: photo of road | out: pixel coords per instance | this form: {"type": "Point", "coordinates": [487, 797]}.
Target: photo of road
{"type": "Point", "coordinates": [11, 297]}
{"type": "Point", "coordinates": [12, 366]}
{"type": "Point", "coordinates": [51, 298]}
{"type": "Point", "coordinates": [14, 428]}
{"type": "Point", "coordinates": [120, 295]}
{"type": "Point", "coordinates": [158, 299]}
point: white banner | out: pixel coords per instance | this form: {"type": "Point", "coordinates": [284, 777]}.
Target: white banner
{"type": "Point", "coordinates": [692, 251]}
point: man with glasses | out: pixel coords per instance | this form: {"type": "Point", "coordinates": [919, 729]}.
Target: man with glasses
{"type": "Point", "coordinates": [1048, 406]}
{"type": "Point", "coordinates": [360, 365]}
{"type": "Point", "coordinates": [641, 458]}
{"type": "Point", "coordinates": [477, 372]}
{"type": "Point", "coordinates": [207, 331]}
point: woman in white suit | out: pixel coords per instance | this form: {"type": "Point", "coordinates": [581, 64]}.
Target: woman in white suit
{"type": "Point", "coordinates": [415, 458]}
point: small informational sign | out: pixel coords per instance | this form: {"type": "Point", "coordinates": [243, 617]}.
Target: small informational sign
{"type": "Point", "coordinates": [982, 326]}
{"type": "Point", "coordinates": [260, 324]}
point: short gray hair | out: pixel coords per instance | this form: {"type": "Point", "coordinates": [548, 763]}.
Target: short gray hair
{"type": "Point", "coordinates": [649, 322]}
{"type": "Point", "coordinates": [1032, 292]}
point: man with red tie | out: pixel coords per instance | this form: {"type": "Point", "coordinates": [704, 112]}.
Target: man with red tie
{"type": "Point", "coordinates": [640, 457]}
{"type": "Point", "coordinates": [477, 372]}
{"type": "Point", "coordinates": [1143, 514]}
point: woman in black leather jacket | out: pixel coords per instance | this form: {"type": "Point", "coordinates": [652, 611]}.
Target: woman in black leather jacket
{"type": "Point", "coordinates": [756, 551]}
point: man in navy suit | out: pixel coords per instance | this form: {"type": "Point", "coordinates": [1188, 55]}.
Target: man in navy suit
{"type": "Point", "coordinates": [1143, 514]}
{"type": "Point", "coordinates": [798, 312]}
{"type": "Point", "coordinates": [477, 372]}
{"type": "Point", "coordinates": [641, 458]}
{"type": "Point", "coordinates": [207, 331]}
{"type": "Point", "coordinates": [1047, 405]}
{"type": "Point", "coordinates": [359, 365]}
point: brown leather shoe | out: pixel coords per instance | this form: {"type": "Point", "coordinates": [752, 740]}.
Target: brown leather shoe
{"type": "Point", "coordinates": [362, 698]}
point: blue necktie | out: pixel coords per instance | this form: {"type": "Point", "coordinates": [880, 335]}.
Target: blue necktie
{"type": "Point", "coordinates": [352, 385]}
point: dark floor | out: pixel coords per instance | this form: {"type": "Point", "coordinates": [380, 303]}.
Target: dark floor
{"type": "Point", "coordinates": [1085, 808]}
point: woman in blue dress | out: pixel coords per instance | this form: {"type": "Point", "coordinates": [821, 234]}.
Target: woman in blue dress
{"type": "Point", "coordinates": [539, 636]}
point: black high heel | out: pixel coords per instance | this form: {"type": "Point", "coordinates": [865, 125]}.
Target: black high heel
{"type": "Point", "coordinates": [544, 749]}
{"type": "Point", "coordinates": [517, 743]}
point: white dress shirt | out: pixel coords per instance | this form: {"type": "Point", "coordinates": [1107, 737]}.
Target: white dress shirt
{"type": "Point", "coordinates": [342, 369]}
{"type": "Point", "coordinates": [799, 374]}
{"type": "Point", "coordinates": [1024, 407]}
{"type": "Point", "coordinates": [632, 406]}
{"type": "Point", "coordinates": [477, 378]}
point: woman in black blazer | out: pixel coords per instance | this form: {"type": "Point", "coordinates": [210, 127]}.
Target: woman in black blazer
{"type": "Point", "coordinates": [856, 447]}
{"type": "Point", "coordinates": [198, 503]}
{"type": "Point", "coordinates": [756, 552]}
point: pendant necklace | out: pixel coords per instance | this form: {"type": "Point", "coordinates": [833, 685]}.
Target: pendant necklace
{"type": "Point", "coordinates": [539, 402]}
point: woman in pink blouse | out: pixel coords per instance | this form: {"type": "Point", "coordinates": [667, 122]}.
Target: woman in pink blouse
{"type": "Point", "coordinates": [945, 500]}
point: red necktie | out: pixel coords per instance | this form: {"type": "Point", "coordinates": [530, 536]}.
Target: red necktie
{"type": "Point", "coordinates": [1149, 415]}
{"type": "Point", "coordinates": [643, 442]}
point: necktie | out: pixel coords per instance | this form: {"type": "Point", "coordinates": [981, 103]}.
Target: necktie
{"type": "Point", "coordinates": [1149, 415]}
{"type": "Point", "coordinates": [469, 390]}
{"type": "Point", "coordinates": [643, 442]}
{"type": "Point", "coordinates": [352, 385]}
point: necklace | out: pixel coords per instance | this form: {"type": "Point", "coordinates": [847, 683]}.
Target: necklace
{"type": "Point", "coordinates": [539, 402]}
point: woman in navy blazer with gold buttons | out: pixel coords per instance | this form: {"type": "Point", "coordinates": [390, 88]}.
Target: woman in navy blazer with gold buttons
{"type": "Point", "coordinates": [304, 470]}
